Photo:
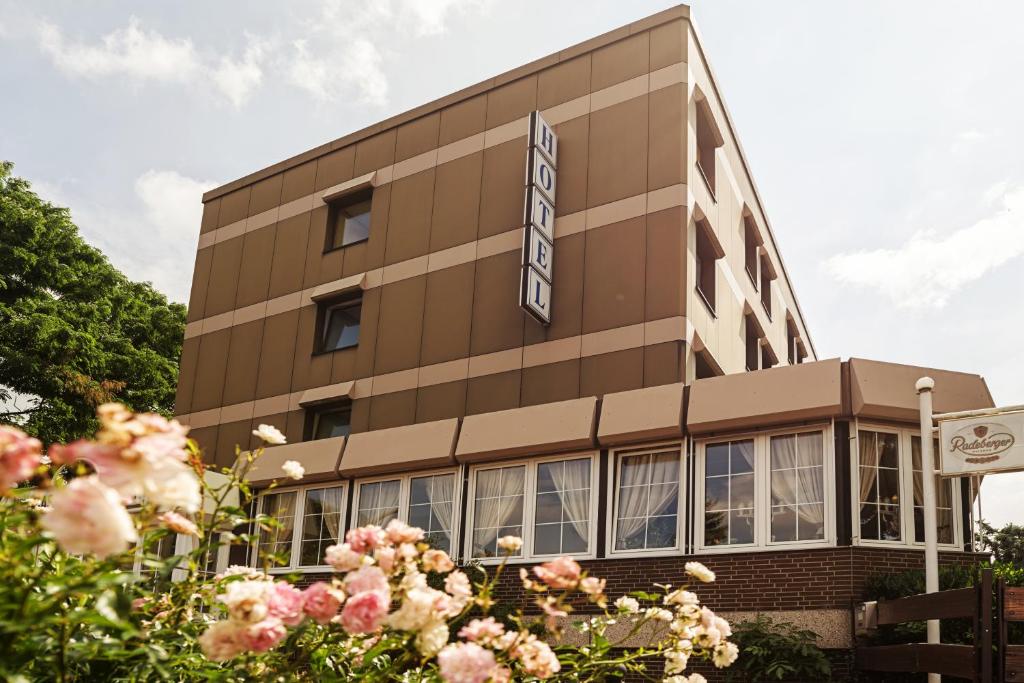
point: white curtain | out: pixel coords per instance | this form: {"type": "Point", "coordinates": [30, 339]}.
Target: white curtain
{"type": "Point", "coordinates": [811, 486]}
{"type": "Point", "coordinates": [649, 485]}
{"type": "Point", "coordinates": [378, 502]}
{"type": "Point", "coordinates": [442, 489]}
{"type": "Point", "coordinates": [280, 506]}
{"type": "Point", "coordinates": [572, 481]}
{"type": "Point", "coordinates": [868, 464]}
{"type": "Point", "coordinates": [503, 489]}
{"type": "Point", "coordinates": [332, 512]}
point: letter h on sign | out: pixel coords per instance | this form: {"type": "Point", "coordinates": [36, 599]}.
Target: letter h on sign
{"type": "Point", "coordinates": [539, 220]}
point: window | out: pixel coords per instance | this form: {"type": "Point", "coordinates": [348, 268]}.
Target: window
{"type": "Point", "coordinates": [426, 500]}
{"type": "Point", "coordinates": [879, 475]}
{"type": "Point", "coordinates": [547, 502]}
{"type": "Point", "coordinates": [708, 140]}
{"type": "Point", "coordinates": [768, 359]}
{"type": "Point", "coordinates": [307, 521]}
{"type": "Point", "coordinates": [348, 221]}
{"type": "Point", "coordinates": [646, 502]}
{"type": "Point", "coordinates": [751, 242]}
{"type": "Point", "coordinates": [943, 497]}
{"type": "Point", "coordinates": [791, 340]}
{"type": "Point", "coordinates": [752, 341]}
{"type": "Point", "coordinates": [341, 325]}
{"type": "Point", "coordinates": [332, 421]}
{"type": "Point", "coordinates": [763, 491]}
{"type": "Point", "coordinates": [705, 365]}
{"type": "Point", "coordinates": [766, 285]}
{"type": "Point", "coordinates": [706, 255]}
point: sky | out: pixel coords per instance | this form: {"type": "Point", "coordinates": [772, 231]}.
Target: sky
{"type": "Point", "coordinates": [884, 137]}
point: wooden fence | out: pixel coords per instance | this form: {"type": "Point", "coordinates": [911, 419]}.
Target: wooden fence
{"type": "Point", "coordinates": [1011, 609]}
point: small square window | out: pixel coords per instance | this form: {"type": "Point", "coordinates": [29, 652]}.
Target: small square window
{"type": "Point", "coordinates": [341, 326]}
{"type": "Point", "coordinates": [332, 422]}
{"type": "Point", "coordinates": [349, 221]}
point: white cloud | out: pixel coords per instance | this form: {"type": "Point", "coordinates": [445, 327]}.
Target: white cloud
{"type": "Point", "coordinates": [239, 79]}
{"type": "Point", "coordinates": [173, 203]}
{"type": "Point", "coordinates": [929, 268]}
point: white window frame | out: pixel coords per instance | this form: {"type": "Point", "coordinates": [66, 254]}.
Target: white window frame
{"type": "Point", "coordinates": [904, 436]}
{"type": "Point", "coordinates": [299, 513]}
{"type": "Point", "coordinates": [404, 486]}
{"type": "Point", "coordinates": [616, 456]}
{"type": "Point", "coordinates": [529, 508]}
{"type": "Point", "coordinates": [762, 491]}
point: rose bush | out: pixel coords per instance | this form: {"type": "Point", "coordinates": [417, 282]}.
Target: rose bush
{"type": "Point", "coordinates": [75, 605]}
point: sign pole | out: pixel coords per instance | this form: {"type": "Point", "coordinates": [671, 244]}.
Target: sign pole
{"type": "Point", "coordinates": [924, 388]}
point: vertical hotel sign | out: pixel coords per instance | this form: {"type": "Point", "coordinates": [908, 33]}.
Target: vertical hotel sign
{"type": "Point", "coordinates": [539, 220]}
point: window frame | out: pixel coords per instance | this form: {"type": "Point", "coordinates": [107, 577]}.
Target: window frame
{"type": "Point", "coordinates": [705, 233]}
{"type": "Point", "coordinates": [323, 318]}
{"type": "Point", "coordinates": [335, 206]}
{"type": "Point", "coordinates": [762, 490]}
{"type": "Point", "coordinates": [299, 514]}
{"type": "Point", "coordinates": [751, 235]}
{"type": "Point", "coordinates": [529, 507]}
{"type": "Point", "coordinates": [615, 468]}
{"type": "Point", "coordinates": [316, 411]}
{"type": "Point", "coordinates": [903, 439]}
{"type": "Point", "coordinates": [404, 487]}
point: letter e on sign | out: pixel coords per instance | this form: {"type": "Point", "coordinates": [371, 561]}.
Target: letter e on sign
{"type": "Point", "coordinates": [540, 254]}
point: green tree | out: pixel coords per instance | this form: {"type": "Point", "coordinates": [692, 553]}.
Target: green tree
{"type": "Point", "coordinates": [74, 331]}
{"type": "Point", "coordinates": [1005, 544]}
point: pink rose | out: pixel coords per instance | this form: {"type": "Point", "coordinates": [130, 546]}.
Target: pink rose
{"type": "Point", "coordinates": [562, 573]}
{"type": "Point", "coordinates": [321, 602]}
{"type": "Point", "coordinates": [437, 561]}
{"type": "Point", "coordinates": [179, 523]}
{"type": "Point", "coordinates": [457, 585]}
{"type": "Point", "coordinates": [482, 630]}
{"type": "Point", "coordinates": [20, 455]}
{"type": "Point", "coordinates": [342, 557]}
{"type": "Point", "coordinates": [365, 612]}
{"type": "Point", "coordinates": [466, 663]}
{"type": "Point", "coordinates": [400, 532]}
{"type": "Point", "coordinates": [285, 603]}
{"type": "Point", "coordinates": [222, 641]}
{"type": "Point", "coordinates": [366, 579]}
{"type": "Point", "coordinates": [365, 538]}
{"type": "Point", "coordinates": [385, 558]}
{"type": "Point", "coordinates": [262, 635]}
{"type": "Point", "coordinates": [88, 517]}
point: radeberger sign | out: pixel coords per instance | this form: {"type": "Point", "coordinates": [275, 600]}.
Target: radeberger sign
{"type": "Point", "coordinates": [539, 220]}
{"type": "Point", "coordinates": [975, 445]}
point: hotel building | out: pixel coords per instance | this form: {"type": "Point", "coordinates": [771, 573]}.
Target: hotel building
{"type": "Point", "coordinates": [369, 298]}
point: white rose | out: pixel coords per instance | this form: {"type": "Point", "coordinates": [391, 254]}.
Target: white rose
{"type": "Point", "coordinates": [293, 469]}
{"type": "Point", "coordinates": [627, 604]}
{"type": "Point", "coordinates": [270, 434]}
{"type": "Point", "coordinates": [172, 484]}
{"type": "Point", "coordinates": [725, 654]}
{"type": "Point", "coordinates": [511, 544]}
{"type": "Point", "coordinates": [700, 572]}
{"type": "Point", "coordinates": [88, 517]}
{"type": "Point", "coordinates": [432, 638]}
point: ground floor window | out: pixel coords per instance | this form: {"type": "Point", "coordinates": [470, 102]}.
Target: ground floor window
{"type": "Point", "coordinates": [304, 523]}
{"type": "Point", "coordinates": [647, 500]}
{"type": "Point", "coordinates": [426, 500]}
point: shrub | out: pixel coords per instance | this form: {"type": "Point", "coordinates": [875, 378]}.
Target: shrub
{"type": "Point", "coordinates": [775, 651]}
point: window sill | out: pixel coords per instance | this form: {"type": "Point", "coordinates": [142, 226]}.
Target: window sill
{"type": "Point", "coordinates": [707, 183]}
{"type": "Point", "coordinates": [494, 561]}
{"type": "Point", "coordinates": [321, 352]}
{"type": "Point", "coordinates": [775, 547]}
{"type": "Point", "coordinates": [326, 569]}
{"type": "Point", "coordinates": [637, 554]}
{"type": "Point", "coordinates": [707, 304]}
{"type": "Point", "coordinates": [346, 246]}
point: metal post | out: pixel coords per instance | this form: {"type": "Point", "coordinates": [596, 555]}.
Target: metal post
{"type": "Point", "coordinates": [924, 388]}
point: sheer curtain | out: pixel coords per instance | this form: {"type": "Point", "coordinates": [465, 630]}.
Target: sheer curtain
{"type": "Point", "coordinates": [280, 506]}
{"type": "Point", "coordinates": [868, 464]}
{"type": "Point", "coordinates": [332, 512]}
{"type": "Point", "coordinates": [378, 502]}
{"type": "Point", "coordinates": [497, 492]}
{"type": "Point", "coordinates": [442, 490]}
{"type": "Point", "coordinates": [572, 482]}
{"type": "Point", "coordinates": [632, 503]}
{"type": "Point", "coordinates": [811, 483]}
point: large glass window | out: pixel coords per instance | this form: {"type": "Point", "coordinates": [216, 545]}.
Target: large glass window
{"type": "Point", "coordinates": [378, 502]}
{"type": "Point", "coordinates": [275, 541]}
{"type": "Point", "coordinates": [729, 493]}
{"type": "Point", "coordinates": [431, 505]}
{"type": "Point", "coordinates": [647, 501]}
{"type": "Point", "coordinates": [307, 521]}
{"type": "Point", "coordinates": [321, 524]}
{"type": "Point", "coordinates": [943, 497]}
{"type": "Point", "coordinates": [797, 487]}
{"type": "Point", "coordinates": [350, 221]}
{"type": "Point", "coordinates": [498, 507]}
{"type": "Point", "coordinates": [879, 474]}
{"type": "Point", "coordinates": [562, 517]}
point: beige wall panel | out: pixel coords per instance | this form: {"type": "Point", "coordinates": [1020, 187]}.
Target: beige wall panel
{"type": "Point", "coordinates": [277, 354]}
{"type": "Point", "coordinates": [400, 329]}
{"type": "Point", "coordinates": [618, 152]}
{"type": "Point", "coordinates": [567, 299]}
{"type": "Point", "coordinates": [266, 194]}
{"type": "Point", "coordinates": [211, 210]}
{"type": "Point", "coordinates": [228, 436]}
{"type": "Point", "coordinates": [666, 159]}
{"type": "Point", "coordinates": [309, 370]}
{"type": "Point", "coordinates": [502, 188]}
{"type": "Point", "coordinates": [497, 318]}
{"type": "Point", "coordinates": [243, 363]}
{"type": "Point", "coordinates": [613, 290]}
{"type": "Point", "coordinates": [668, 44]}
{"type": "Point", "coordinates": [224, 271]}
{"type": "Point", "coordinates": [375, 152]}
{"type": "Point", "coordinates": [550, 383]}
{"type": "Point", "coordinates": [609, 372]}
{"type": "Point", "coordinates": [295, 426]}
{"type": "Point", "coordinates": [512, 101]}
{"type": "Point", "coordinates": [412, 200]}
{"type": "Point", "coordinates": [463, 119]}
{"type": "Point", "coordinates": [664, 363]}
{"type": "Point", "coordinates": [208, 389]}
{"type": "Point", "coordinates": [254, 273]}
{"type": "Point", "coordinates": [360, 415]}
{"type": "Point", "coordinates": [493, 392]}
{"type": "Point", "coordinates": [234, 207]}
{"type": "Point", "coordinates": [563, 82]}
{"type": "Point", "coordinates": [456, 202]}
{"type": "Point", "coordinates": [343, 363]}
{"type": "Point", "coordinates": [200, 285]}
{"type": "Point", "coordinates": [652, 413]}
{"type": "Point", "coordinates": [335, 168]}
{"type": "Point", "coordinates": [417, 136]}
{"type": "Point", "coordinates": [368, 255]}
{"type": "Point", "coordinates": [621, 61]}
{"type": "Point", "coordinates": [289, 259]}
{"type": "Point", "coordinates": [441, 401]}
{"type": "Point", "coordinates": [573, 143]}
{"type": "Point", "coordinates": [186, 375]}
{"type": "Point", "coordinates": [206, 438]}
{"type": "Point", "coordinates": [447, 314]}
{"type": "Point", "coordinates": [298, 182]}
{"type": "Point", "coordinates": [368, 324]}
{"type": "Point", "coordinates": [555, 427]}
{"type": "Point", "coordinates": [393, 410]}
{"type": "Point", "coordinates": [665, 294]}
{"type": "Point", "coordinates": [405, 448]}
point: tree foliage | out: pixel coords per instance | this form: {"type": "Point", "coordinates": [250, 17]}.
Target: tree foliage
{"type": "Point", "coordinates": [74, 331]}
{"type": "Point", "coordinates": [1006, 544]}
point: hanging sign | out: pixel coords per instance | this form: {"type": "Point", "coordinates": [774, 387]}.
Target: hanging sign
{"type": "Point", "coordinates": [982, 444]}
{"type": "Point", "coordinates": [539, 220]}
